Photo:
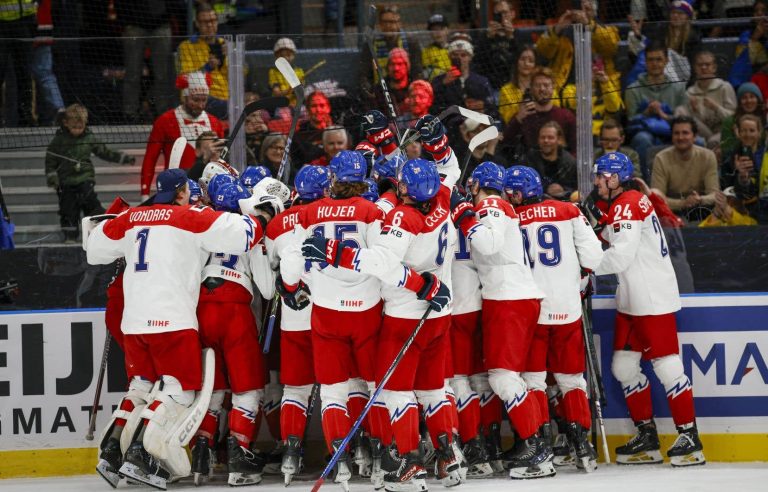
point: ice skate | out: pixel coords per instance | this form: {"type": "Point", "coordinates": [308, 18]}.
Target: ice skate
{"type": "Point", "coordinates": [563, 451]}
{"type": "Point", "coordinates": [110, 461]}
{"type": "Point", "coordinates": [343, 472]}
{"type": "Point", "coordinates": [383, 463]}
{"type": "Point", "coordinates": [477, 459]}
{"type": "Point", "coordinates": [493, 447]}
{"type": "Point", "coordinates": [245, 468]}
{"type": "Point", "coordinates": [642, 449]}
{"type": "Point", "coordinates": [362, 456]}
{"type": "Point", "coordinates": [447, 464]}
{"type": "Point", "coordinates": [203, 460]}
{"type": "Point", "coordinates": [586, 456]}
{"type": "Point", "coordinates": [142, 467]}
{"type": "Point", "coordinates": [687, 449]}
{"type": "Point", "coordinates": [532, 458]}
{"type": "Point", "coordinates": [291, 463]}
{"type": "Point", "coordinates": [410, 476]}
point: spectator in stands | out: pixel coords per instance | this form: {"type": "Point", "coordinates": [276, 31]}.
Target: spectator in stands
{"type": "Point", "coordinates": [556, 44]}
{"type": "Point", "coordinates": [335, 139]}
{"type": "Point", "coordinates": [752, 49]}
{"type": "Point", "coordinates": [729, 210]}
{"type": "Point", "coordinates": [398, 79]}
{"type": "Point", "coordinates": [711, 99]}
{"type": "Point", "coordinates": [17, 22]}
{"type": "Point", "coordinates": [518, 89]}
{"type": "Point", "coordinates": [652, 101]}
{"type": "Point", "coordinates": [188, 120]}
{"type": "Point", "coordinates": [206, 52]}
{"type": "Point", "coordinates": [391, 36]}
{"type": "Point", "coordinates": [284, 48]}
{"type": "Point", "coordinates": [750, 101]}
{"type": "Point", "coordinates": [308, 143]}
{"type": "Point", "coordinates": [488, 151]}
{"type": "Point", "coordinates": [272, 150]}
{"type": "Point", "coordinates": [606, 97]}
{"type": "Point", "coordinates": [679, 35]}
{"type": "Point", "coordinates": [50, 103]}
{"type": "Point", "coordinates": [207, 149]}
{"type": "Point", "coordinates": [256, 129]}
{"type": "Point", "coordinates": [524, 127]}
{"type": "Point", "coordinates": [420, 99]}
{"type": "Point", "coordinates": [69, 170]}
{"type": "Point", "coordinates": [743, 168]}
{"type": "Point", "coordinates": [147, 25]}
{"type": "Point", "coordinates": [686, 174]}
{"type": "Point", "coordinates": [612, 140]}
{"type": "Point", "coordinates": [555, 165]}
{"type": "Point", "coordinates": [434, 57]}
{"type": "Point", "coordinates": [460, 83]}
{"type": "Point", "coordinates": [496, 48]}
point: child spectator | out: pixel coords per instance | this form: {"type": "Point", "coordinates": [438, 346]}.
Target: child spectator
{"type": "Point", "coordinates": [69, 170]}
{"type": "Point", "coordinates": [284, 48]}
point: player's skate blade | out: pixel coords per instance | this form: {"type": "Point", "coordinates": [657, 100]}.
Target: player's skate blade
{"type": "Point", "coordinates": [651, 457]}
{"type": "Point", "coordinates": [542, 470]}
{"type": "Point", "coordinates": [587, 464]}
{"type": "Point", "coordinates": [245, 468]}
{"type": "Point", "coordinates": [694, 459]}
{"type": "Point", "coordinates": [108, 473]}
{"type": "Point", "coordinates": [687, 449]}
{"type": "Point", "coordinates": [133, 472]}
{"type": "Point", "coordinates": [563, 451]}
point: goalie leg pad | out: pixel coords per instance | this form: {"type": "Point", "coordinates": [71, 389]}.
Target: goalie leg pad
{"type": "Point", "coordinates": [137, 395]}
{"type": "Point", "coordinates": [140, 392]}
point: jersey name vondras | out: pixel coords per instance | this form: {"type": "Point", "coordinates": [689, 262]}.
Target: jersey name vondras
{"type": "Point", "coordinates": [151, 215]}
{"type": "Point", "coordinates": [343, 212]}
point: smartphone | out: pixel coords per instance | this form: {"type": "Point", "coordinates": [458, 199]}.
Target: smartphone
{"type": "Point", "coordinates": [527, 96]}
{"type": "Point", "coordinates": [745, 151]}
{"type": "Point", "coordinates": [598, 64]}
{"type": "Point", "coordinates": [497, 17]}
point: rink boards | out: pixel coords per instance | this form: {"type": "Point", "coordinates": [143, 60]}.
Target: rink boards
{"type": "Point", "coordinates": [49, 362]}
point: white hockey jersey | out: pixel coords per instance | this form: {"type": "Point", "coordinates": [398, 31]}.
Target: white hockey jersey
{"type": "Point", "coordinates": [278, 239]}
{"type": "Point", "coordinates": [246, 269]}
{"type": "Point", "coordinates": [411, 239]}
{"type": "Point", "coordinates": [466, 291]}
{"type": "Point", "coordinates": [559, 243]}
{"type": "Point", "coordinates": [165, 248]}
{"type": "Point", "coordinates": [497, 250]}
{"type": "Point", "coordinates": [639, 256]}
{"type": "Point", "coordinates": [356, 222]}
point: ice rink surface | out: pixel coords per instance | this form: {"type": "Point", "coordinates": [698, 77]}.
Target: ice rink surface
{"type": "Point", "coordinates": [715, 477]}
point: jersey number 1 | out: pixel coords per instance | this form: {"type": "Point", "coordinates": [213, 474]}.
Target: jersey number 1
{"type": "Point", "coordinates": [141, 238]}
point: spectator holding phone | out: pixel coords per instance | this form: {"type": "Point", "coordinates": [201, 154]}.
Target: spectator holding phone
{"type": "Point", "coordinates": [750, 101]}
{"type": "Point", "coordinates": [206, 52]}
{"type": "Point", "coordinates": [496, 48]}
{"type": "Point", "coordinates": [207, 149]}
{"type": "Point", "coordinates": [743, 168]}
{"type": "Point", "coordinates": [518, 90]}
{"type": "Point", "coordinates": [460, 83]}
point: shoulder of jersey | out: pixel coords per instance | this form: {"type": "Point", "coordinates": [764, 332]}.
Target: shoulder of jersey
{"type": "Point", "coordinates": [192, 218]}
{"type": "Point", "coordinates": [404, 217]}
{"type": "Point", "coordinates": [630, 205]}
{"type": "Point", "coordinates": [284, 222]}
{"type": "Point", "coordinates": [498, 203]}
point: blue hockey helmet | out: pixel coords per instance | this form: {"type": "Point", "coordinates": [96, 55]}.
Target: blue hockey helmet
{"type": "Point", "coordinates": [349, 167]}
{"type": "Point", "coordinates": [421, 178]}
{"type": "Point", "coordinates": [217, 182]}
{"type": "Point", "coordinates": [383, 168]}
{"type": "Point", "coordinates": [227, 196]}
{"type": "Point", "coordinates": [312, 181]}
{"type": "Point", "coordinates": [195, 193]}
{"type": "Point", "coordinates": [488, 175]}
{"type": "Point", "coordinates": [614, 163]}
{"type": "Point", "coordinates": [373, 191]}
{"type": "Point", "coordinates": [524, 179]}
{"type": "Point", "coordinates": [252, 175]}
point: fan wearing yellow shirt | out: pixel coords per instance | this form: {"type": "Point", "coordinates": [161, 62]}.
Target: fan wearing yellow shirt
{"type": "Point", "coordinates": [284, 48]}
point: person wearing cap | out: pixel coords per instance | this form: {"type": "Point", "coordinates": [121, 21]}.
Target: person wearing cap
{"type": "Point", "coordinates": [497, 47]}
{"type": "Point", "coordinates": [749, 101]}
{"type": "Point", "coordinates": [434, 58]}
{"type": "Point", "coordinates": [206, 52]}
{"type": "Point", "coordinates": [188, 120]}
{"type": "Point", "coordinates": [284, 48]}
{"type": "Point", "coordinates": [390, 36]}
{"type": "Point", "coordinates": [460, 85]}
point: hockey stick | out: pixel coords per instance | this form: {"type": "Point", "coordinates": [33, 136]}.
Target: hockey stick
{"type": "Point", "coordinates": [595, 376]}
{"type": "Point", "coordinates": [387, 96]}
{"type": "Point", "coordinates": [174, 161]}
{"type": "Point", "coordinates": [268, 103]}
{"type": "Point", "coordinates": [343, 446]}
{"type": "Point", "coordinates": [484, 136]}
{"type": "Point", "coordinates": [99, 382]}
{"type": "Point", "coordinates": [271, 323]}
{"type": "Point", "coordinates": [287, 71]}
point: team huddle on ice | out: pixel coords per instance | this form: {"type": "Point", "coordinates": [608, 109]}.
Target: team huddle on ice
{"type": "Point", "coordinates": [490, 272]}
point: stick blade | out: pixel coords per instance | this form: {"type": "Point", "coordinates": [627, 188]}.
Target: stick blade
{"type": "Point", "coordinates": [177, 151]}
{"type": "Point", "coordinates": [286, 69]}
{"type": "Point", "coordinates": [488, 134]}
{"type": "Point", "coordinates": [474, 115]}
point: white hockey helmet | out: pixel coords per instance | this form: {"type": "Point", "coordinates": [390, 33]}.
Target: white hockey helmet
{"type": "Point", "coordinates": [272, 186]}
{"type": "Point", "coordinates": [216, 167]}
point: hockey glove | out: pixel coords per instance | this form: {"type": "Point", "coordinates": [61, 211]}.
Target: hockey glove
{"type": "Point", "coordinates": [295, 296]}
{"type": "Point", "coordinates": [462, 212]}
{"type": "Point", "coordinates": [585, 285]}
{"type": "Point", "coordinates": [432, 135]}
{"type": "Point", "coordinates": [376, 128]}
{"type": "Point", "coordinates": [431, 290]}
{"type": "Point", "coordinates": [590, 209]}
{"type": "Point", "coordinates": [331, 251]}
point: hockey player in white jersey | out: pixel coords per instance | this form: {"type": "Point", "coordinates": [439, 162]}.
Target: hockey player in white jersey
{"type": "Point", "coordinates": [646, 301]}
{"type": "Point", "coordinates": [165, 246]}
{"type": "Point", "coordinates": [511, 306]}
{"type": "Point", "coordinates": [560, 246]}
{"type": "Point", "coordinates": [227, 325]}
{"type": "Point", "coordinates": [296, 362]}
{"type": "Point", "coordinates": [412, 257]}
